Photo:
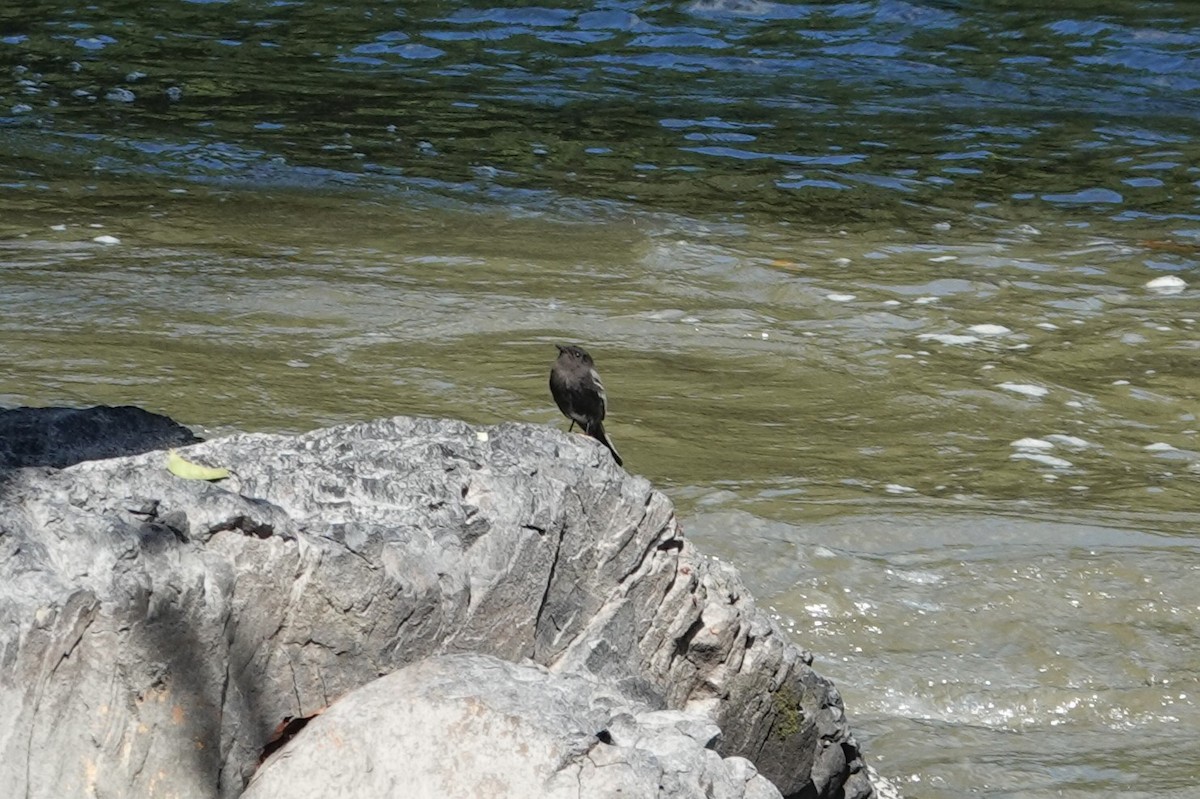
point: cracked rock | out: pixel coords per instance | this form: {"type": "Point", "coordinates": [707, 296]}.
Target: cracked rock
{"type": "Point", "coordinates": [155, 633]}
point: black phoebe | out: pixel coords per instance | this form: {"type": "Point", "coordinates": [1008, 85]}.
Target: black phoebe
{"type": "Point", "coordinates": [577, 390]}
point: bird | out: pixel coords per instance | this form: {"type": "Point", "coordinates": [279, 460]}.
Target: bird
{"type": "Point", "coordinates": [577, 390]}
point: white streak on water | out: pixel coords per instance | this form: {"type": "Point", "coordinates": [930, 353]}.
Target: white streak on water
{"type": "Point", "coordinates": [949, 338]}
{"type": "Point", "coordinates": [1167, 284]}
{"type": "Point", "coordinates": [1027, 389]}
{"type": "Point", "coordinates": [1045, 460]}
{"type": "Point", "coordinates": [1070, 442]}
{"type": "Point", "coordinates": [1032, 444]}
{"type": "Point", "coordinates": [990, 330]}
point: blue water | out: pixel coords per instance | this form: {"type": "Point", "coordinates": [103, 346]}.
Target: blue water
{"type": "Point", "coordinates": [844, 113]}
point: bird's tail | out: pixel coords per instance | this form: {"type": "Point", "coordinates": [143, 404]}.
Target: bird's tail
{"type": "Point", "coordinates": [596, 431]}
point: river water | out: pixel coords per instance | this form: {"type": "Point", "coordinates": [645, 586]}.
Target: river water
{"type": "Point", "coordinates": [897, 300]}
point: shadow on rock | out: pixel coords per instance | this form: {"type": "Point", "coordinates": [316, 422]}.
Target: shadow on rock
{"type": "Point", "coordinates": [62, 437]}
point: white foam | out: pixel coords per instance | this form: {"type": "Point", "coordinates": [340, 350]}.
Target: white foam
{"type": "Point", "coordinates": [1070, 442]}
{"type": "Point", "coordinates": [925, 300]}
{"type": "Point", "coordinates": [59, 228]}
{"type": "Point", "coordinates": [1158, 446]}
{"type": "Point", "coordinates": [841, 261]}
{"type": "Point", "coordinates": [948, 338]}
{"type": "Point", "coordinates": [106, 239]}
{"type": "Point", "coordinates": [943, 258]}
{"type": "Point", "coordinates": [1047, 326]}
{"type": "Point", "coordinates": [1039, 457]}
{"type": "Point", "coordinates": [918, 578]}
{"type": "Point", "coordinates": [666, 314]}
{"type": "Point", "coordinates": [1031, 444]}
{"type": "Point", "coordinates": [1167, 284]}
{"type": "Point", "coordinates": [840, 297]}
{"type": "Point", "coordinates": [1027, 389]}
{"type": "Point", "coordinates": [990, 330]}
{"type": "Point", "coordinates": [818, 610]}
{"type": "Point", "coordinates": [896, 488]}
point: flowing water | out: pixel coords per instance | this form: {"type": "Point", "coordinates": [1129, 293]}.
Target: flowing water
{"type": "Point", "coordinates": [897, 300]}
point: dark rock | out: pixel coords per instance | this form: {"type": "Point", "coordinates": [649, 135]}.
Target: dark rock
{"type": "Point", "coordinates": [155, 632]}
{"type": "Point", "coordinates": [61, 437]}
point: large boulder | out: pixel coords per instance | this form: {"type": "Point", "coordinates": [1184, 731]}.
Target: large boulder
{"type": "Point", "coordinates": [473, 725]}
{"type": "Point", "coordinates": [154, 631]}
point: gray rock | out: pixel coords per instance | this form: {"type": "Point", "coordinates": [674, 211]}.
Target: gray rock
{"type": "Point", "coordinates": [155, 631]}
{"type": "Point", "coordinates": [473, 725]}
{"type": "Point", "coordinates": [61, 437]}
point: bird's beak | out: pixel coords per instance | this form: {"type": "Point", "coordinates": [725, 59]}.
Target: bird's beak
{"type": "Point", "coordinates": [561, 347]}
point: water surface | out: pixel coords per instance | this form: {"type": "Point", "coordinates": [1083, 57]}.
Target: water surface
{"type": "Point", "coordinates": [896, 300]}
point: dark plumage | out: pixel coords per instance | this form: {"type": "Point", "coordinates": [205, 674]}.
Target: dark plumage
{"type": "Point", "coordinates": [577, 390]}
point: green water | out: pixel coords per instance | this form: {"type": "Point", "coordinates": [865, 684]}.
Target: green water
{"type": "Point", "coordinates": [777, 227]}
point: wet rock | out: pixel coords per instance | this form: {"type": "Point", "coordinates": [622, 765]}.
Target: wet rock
{"type": "Point", "coordinates": [60, 437]}
{"type": "Point", "coordinates": [158, 633]}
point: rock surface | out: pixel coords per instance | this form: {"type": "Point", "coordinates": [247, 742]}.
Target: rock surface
{"type": "Point", "coordinates": [155, 631]}
{"type": "Point", "coordinates": [472, 725]}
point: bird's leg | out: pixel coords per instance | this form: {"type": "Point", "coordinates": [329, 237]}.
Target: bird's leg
{"type": "Point", "coordinates": [572, 427]}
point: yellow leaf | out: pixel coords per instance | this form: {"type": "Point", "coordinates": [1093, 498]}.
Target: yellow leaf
{"type": "Point", "coordinates": [177, 466]}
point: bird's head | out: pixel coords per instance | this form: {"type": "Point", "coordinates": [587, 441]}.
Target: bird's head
{"type": "Point", "coordinates": [572, 353]}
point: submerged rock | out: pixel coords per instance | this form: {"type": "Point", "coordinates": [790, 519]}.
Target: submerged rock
{"type": "Point", "coordinates": [156, 632]}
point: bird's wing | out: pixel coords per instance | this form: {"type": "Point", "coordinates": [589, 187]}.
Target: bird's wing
{"type": "Point", "coordinates": [600, 388]}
